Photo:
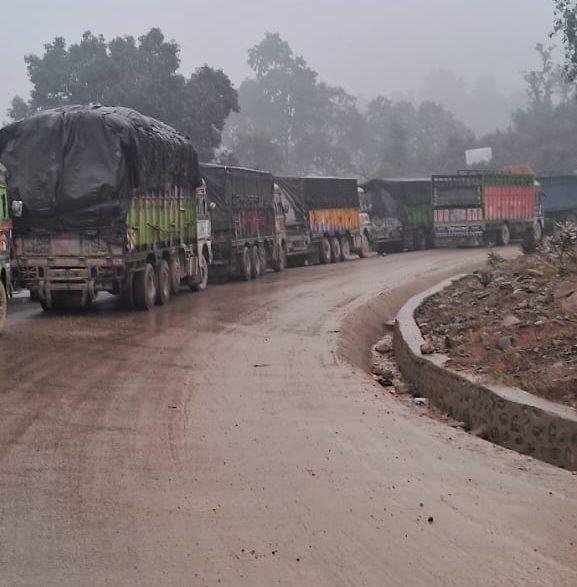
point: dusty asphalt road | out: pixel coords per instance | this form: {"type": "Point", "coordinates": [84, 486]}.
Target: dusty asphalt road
{"type": "Point", "coordinates": [221, 441]}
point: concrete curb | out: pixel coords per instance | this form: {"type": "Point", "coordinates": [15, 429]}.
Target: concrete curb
{"type": "Point", "coordinates": [503, 415]}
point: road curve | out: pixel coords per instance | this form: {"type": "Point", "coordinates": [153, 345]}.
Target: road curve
{"type": "Point", "coordinates": [222, 441]}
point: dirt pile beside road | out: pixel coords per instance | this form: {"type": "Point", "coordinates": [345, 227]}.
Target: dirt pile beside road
{"type": "Point", "coordinates": [512, 322]}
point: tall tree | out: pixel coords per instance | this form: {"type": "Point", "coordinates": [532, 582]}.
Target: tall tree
{"type": "Point", "coordinates": [544, 133]}
{"type": "Point", "coordinates": [565, 23]}
{"type": "Point", "coordinates": [408, 140]}
{"type": "Point", "coordinates": [138, 73]}
{"type": "Point", "coordinates": [312, 126]}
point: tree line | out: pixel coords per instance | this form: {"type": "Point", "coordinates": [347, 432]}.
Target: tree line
{"type": "Point", "coordinates": [285, 119]}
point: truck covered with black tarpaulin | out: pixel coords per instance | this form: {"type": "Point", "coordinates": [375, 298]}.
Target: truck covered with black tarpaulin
{"type": "Point", "coordinates": [110, 201]}
{"type": "Point", "coordinates": [322, 218]}
{"type": "Point", "coordinates": [247, 220]}
{"type": "Point", "coordinates": [559, 195]}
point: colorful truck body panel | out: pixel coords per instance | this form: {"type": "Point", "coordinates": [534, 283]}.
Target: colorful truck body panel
{"type": "Point", "coordinates": [399, 213]}
{"type": "Point", "coordinates": [110, 203]}
{"type": "Point", "coordinates": [480, 208]}
{"type": "Point", "coordinates": [322, 218]}
{"type": "Point", "coordinates": [247, 220]}
{"type": "Point", "coordinates": [337, 221]}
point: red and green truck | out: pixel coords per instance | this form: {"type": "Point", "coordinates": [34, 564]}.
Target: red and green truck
{"type": "Point", "coordinates": [475, 208]}
{"type": "Point", "coordinates": [111, 201]}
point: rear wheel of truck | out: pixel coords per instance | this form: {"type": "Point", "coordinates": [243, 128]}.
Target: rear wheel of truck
{"type": "Point", "coordinates": [345, 248]}
{"type": "Point", "coordinates": [325, 251]}
{"type": "Point", "coordinates": [127, 293]}
{"type": "Point", "coordinates": [256, 262]}
{"type": "Point", "coordinates": [280, 262]}
{"type": "Point", "coordinates": [144, 288]}
{"type": "Point", "coordinates": [335, 250]}
{"type": "Point", "coordinates": [175, 275]}
{"type": "Point", "coordinates": [538, 231]}
{"type": "Point", "coordinates": [203, 269]}
{"type": "Point", "coordinates": [3, 305]}
{"type": "Point", "coordinates": [504, 235]}
{"type": "Point", "coordinates": [366, 246]}
{"type": "Point", "coordinates": [245, 264]}
{"type": "Point", "coordinates": [164, 286]}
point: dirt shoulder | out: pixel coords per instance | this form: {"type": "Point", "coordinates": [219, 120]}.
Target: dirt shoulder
{"type": "Point", "coordinates": [512, 322]}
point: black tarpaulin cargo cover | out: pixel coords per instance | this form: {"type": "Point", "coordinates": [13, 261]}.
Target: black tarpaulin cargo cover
{"type": "Point", "coordinates": [309, 193]}
{"type": "Point", "coordinates": [231, 188]}
{"type": "Point", "coordinates": [75, 168]}
{"type": "Point", "coordinates": [389, 196]}
{"type": "Point", "coordinates": [560, 193]}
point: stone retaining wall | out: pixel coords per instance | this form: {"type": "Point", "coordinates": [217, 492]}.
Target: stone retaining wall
{"type": "Point", "coordinates": [507, 416]}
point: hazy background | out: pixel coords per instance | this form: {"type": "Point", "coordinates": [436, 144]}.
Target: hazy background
{"type": "Point", "coordinates": [418, 49]}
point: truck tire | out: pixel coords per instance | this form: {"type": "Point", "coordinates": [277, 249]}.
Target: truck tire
{"type": "Point", "coordinates": [144, 288]}
{"type": "Point", "coordinates": [366, 247]}
{"type": "Point", "coordinates": [175, 275]}
{"type": "Point", "coordinates": [280, 262]}
{"type": "Point", "coordinates": [325, 251]}
{"type": "Point", "coordinates": [163, 288]}
{"type": "Point", "coordinates": [201, 284]}
{"type": "Point", "coordinates": [335, 250]}
{"type": "Point", "coordinates": [127, 293]}
{"type": "Point", "coordinates": [504, 235]}
{"type": "Point", "coordinates": [245, 264]}
{"type": "Point", "coordinates": [538, 231]}
{"type": "Point", "coordinates": [345, 248]}
{"type": "Point", "coordinates": [3, 305]}
{"type": "Point", "coordinates": [256, 262]}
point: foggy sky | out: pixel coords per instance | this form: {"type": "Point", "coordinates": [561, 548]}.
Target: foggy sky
{"type": "Point", "coordinates": [369, 47]}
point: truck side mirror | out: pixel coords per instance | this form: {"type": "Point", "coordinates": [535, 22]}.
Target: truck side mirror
{"type": "Point", "coordinates": [16, 208]}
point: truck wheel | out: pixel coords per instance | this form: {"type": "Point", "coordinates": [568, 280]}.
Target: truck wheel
{"type": "Point", "coordinates": [175, 275]}
{"type": "Point", "coordinates": [246, 265]}
{"type": "Point", "coordinates": [163, 287]}
{"type": "Point", "coordinates": [504, 235]}
{"type": "Point", "coordinates": [280, 262]}
{"type": "Point", "coordinates": [365, 246]}
{"type": "Point", "coordinates": [256, 262]}
{"type": "Point", "coordinates": [345, 248]}
{"type": "Point", "coordinates": [203, 268]}
{"type": "Point", "coordinates": [335, 249]}
{"type": "Point", "coordinates": [144, 288]}
{"type": "Point", "coordinates": [538, 231]}
{"type": "Point", "coordinates": [325, 251]}
{"type": "Point", "coordinates": [3, 306]}
{"type": "Point", "coordinates": [127, 293]}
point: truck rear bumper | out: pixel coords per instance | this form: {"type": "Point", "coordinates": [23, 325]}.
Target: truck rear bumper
{"type": "Point", "coordinates": [44, 279]}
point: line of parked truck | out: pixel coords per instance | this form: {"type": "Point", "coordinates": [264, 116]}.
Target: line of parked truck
{"type": "Point", "coordinates": [105, 199]}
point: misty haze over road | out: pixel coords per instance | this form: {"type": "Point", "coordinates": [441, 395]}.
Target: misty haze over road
{"type": "Point", "coordinates": [369, 47]}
